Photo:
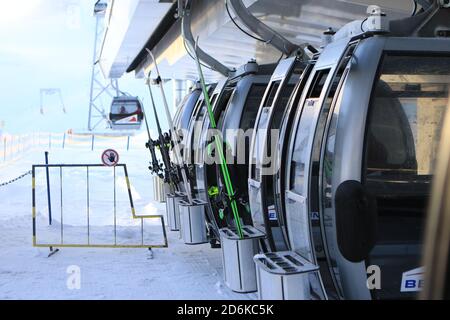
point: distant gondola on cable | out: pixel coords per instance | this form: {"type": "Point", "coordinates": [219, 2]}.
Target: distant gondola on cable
{"type": "Point", "coordinates": [126, 113]}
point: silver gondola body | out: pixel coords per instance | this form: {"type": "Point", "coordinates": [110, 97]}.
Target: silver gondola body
{"type": "Point", "coordinates": [362, 118]}
{"type": "Point", "coordinates": [263, 166]}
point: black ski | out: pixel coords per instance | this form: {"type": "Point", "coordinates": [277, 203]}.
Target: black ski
{"type": "Point", "coordinates": [164, 145]}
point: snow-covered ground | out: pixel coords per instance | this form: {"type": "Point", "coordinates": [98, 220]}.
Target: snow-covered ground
{"type": "Point", "coordinates": [178, 272]}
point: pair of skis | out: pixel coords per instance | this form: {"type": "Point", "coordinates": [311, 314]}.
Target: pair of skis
{"type": "Point", "coordinates": [217, 138]}
{"type": "Point", "coordinates": [230, 191]}
{"type": "Point", "coordinates": [175, 138]}
{"type": "Point", "coordinates": [155, 166]}
{"type": "Point", "coordinates": [163, 144]}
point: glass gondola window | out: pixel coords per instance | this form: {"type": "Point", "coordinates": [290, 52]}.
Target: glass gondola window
{"type": "Point", "coordinates": [247, 122]}
{"type": "Point", "coordinates": [252, 104]}
{"type": "Point", "coordinates": [221, 117]}
{"type": "Point", "coordinates": [321, 190]}
{"type": "Point", "coordinates": [269, 164]}
{"type": "Point", "coordinates": [404, 124]}
{"type": "Point", "coordinates": [207, 135]}
{"type": "Point", "coordinates": [298, 217]}
{"type": "Point", "coordinates": [301, 151]}
{"type": "Point", "coordinates": [282, 148]}
{"type": "Point", "coordinates": [196, 142]}
{"type": "Point", "coordinates": [179, 110]}
{"type": "Point", "coordinates": [124, 108]}
{"type": "Point", "coordinates": [262, 130]}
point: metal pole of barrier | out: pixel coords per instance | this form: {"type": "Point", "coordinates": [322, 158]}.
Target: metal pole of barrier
{"type": "Point", "coordinates": [48, 190]}
{"type": "Point", "coordinates": [61, 203]}
{"type": "Point", "coordinates": [62, 243]}
{"type": "Point", "coordinates": [130, 197]}
{"type": "Point", "coordinates": [33, 199]}
{"type": "Point", "coordinates": [128, 144]}
{"type": "Point", "coordinates": [64, 140]}
{"type": "Point", "coordinates": [88, 204]}
{"type": "Point", "coordinates": [142, 231]}
{"type": "Point", "coordinates": [115, 209]}
{"type": "Point", "coordinates": [10, 146]}
{"type": "Point", "coordinates": [49, 140]}
{"type": "Point", "coordinates": [93, 137]}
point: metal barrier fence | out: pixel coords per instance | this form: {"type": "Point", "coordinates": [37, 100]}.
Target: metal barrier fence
{"type": "Point", "coordinates": [63, 243]}
{"type": "Point", "coordinates": [12, 146]}
{"type": "Point", "coordinates": [99, 141]}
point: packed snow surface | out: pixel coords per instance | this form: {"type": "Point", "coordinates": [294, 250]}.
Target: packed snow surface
{"type": "Point", "coordinates": [178, 272]}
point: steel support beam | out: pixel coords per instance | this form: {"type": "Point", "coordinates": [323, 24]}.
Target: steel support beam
{"type": "Point", "coordinates": [185, 13]}
{"type": "Point", "coordinates": [269, 35]}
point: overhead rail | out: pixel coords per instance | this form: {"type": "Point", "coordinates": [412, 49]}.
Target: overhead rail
{"type": "Point", "coordinates": [267, 34]}
{"type": "Point", "coordinates": [184, 11]}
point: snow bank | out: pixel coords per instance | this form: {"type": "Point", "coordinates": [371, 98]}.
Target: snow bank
{"type": "Point", "coordinates": [179, 272]}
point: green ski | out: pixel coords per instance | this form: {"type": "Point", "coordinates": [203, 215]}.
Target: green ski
{"type": "Point", "coordinates": [219, 146]}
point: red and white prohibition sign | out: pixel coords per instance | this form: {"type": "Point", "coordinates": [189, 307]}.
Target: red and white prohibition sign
{"type": "Point", "coordinates": [110, 158]}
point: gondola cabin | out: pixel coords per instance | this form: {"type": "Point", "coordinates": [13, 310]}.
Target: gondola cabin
{"type": "Point", "coordinates": [235, 123]}
{"type": "Point", "coordinates": [126, 113]}
{"type": "Point", "coordinates": [360, 161]}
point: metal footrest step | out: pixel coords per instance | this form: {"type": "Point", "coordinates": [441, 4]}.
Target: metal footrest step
{"type": "Point", "coordinates": [283, 276]}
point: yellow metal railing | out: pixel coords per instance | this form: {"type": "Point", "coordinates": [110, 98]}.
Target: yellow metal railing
{"type": "Point", "coordinates": [63, 243]}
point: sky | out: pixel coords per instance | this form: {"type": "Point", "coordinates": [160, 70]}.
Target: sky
{"type": "Point", "coordinates": [49, 44]}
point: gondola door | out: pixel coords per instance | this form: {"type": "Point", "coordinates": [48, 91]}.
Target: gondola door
{"type": "Point", "coordinates": [238, 121]}
{"type": "Point", "coordinates": [296, 196]}
{"type": "Point", "coordinates": [382, 141]}
{"type": "Point", "coordinates": [297, 215]}
{"type": "Point", "coordinates": [301, 196]}
{"type": "Point", "coordinates": [262, 169]}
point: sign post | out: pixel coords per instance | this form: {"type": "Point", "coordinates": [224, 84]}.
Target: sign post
{"type": "Point", "coordinates": [48, 190]}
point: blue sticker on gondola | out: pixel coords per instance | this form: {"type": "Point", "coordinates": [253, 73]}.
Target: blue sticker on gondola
{"type": "Point", "coordinates": [412, 280]}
